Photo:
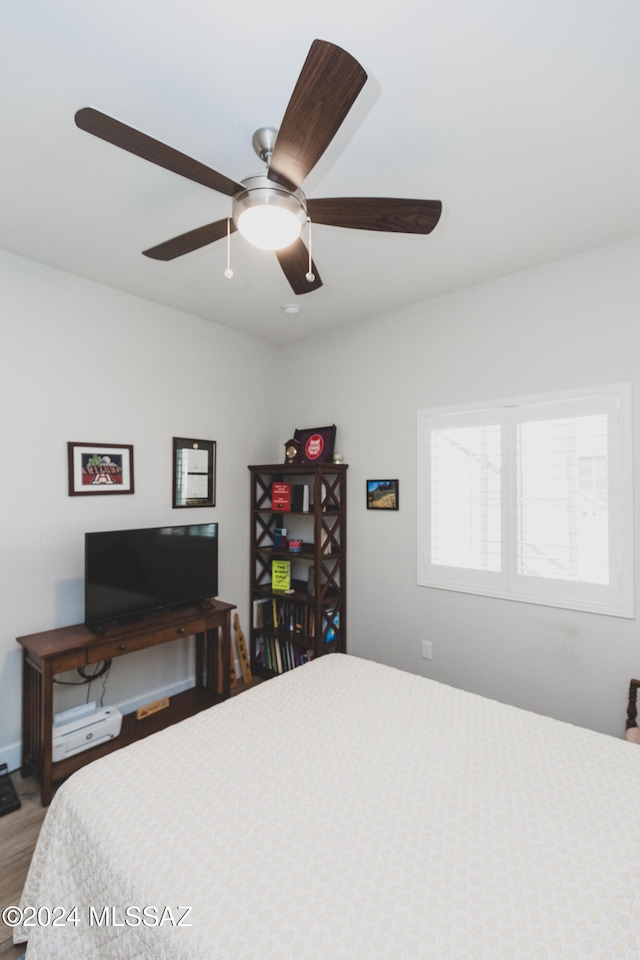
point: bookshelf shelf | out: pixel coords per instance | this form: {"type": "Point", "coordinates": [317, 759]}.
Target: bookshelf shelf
{"type": "Point", "coordinates": [309, 618]}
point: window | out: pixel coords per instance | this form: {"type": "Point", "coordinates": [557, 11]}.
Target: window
{"type": "Point", "coordinates": [530, 499]}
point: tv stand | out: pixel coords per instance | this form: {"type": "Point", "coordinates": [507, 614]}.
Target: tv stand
{"type": "Point", "coordinates": [46, 654]}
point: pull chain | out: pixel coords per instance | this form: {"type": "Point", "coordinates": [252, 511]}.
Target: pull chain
{"type": "Point", "coordinates": [228, 272]}
{"type": "Point", "coordinates": [310, 276]}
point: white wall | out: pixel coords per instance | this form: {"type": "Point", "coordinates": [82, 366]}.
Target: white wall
{"type": "Point", "coordinates": [82, 362]}
{"type": "Point", "coordinates": [570, 324]}
{"type": "Point", "coordinates": [87, 363]}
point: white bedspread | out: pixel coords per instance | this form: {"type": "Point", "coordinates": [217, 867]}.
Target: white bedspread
{"type": "Point", "coordinates": [348, 811]}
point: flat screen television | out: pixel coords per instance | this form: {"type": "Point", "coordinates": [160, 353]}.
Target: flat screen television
{"type": "Point", "coordinates": [132, 572]}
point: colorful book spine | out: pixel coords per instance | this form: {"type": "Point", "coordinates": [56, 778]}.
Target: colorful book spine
{"type": "Point", "coordinates": [279, 656]}
{"type": "Point", "coordinates": [280, 574]}
{"type": "Point", "coordinates": [280, 496]}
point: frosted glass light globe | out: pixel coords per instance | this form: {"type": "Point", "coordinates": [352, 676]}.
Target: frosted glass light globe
{"type": "Point", "coordinates": [270, 227]}
{"type": "Point", "coordinates": [269, 215]}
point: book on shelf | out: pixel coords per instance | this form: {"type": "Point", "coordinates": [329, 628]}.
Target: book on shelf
{"type": "Point", "coordinates": [278, 655]}
{"type": "Point", "coordinates": [292, 617]}
{"type": "Point", "coordinates": [322, 493]}
{"type": "Point", "coordinates": [280, 496]}
{"type": "Point", "coordinates": [326, 543]}
{"type": "Point", "coordinates": [259, 608]}
{"type": "Point", "coordinates": [280, 574]}
{"type": "Point", "coordinates": [300, 497]}
{"type": "Point", "coordinates": [333, 620]}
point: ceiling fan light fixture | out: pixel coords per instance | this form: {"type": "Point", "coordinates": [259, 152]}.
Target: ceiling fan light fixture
{"type": "Point", "coordinates": [269, 216]}
{"type": "Point", "coordinates": [269, 227]}
{"type": "Point", "coordinates": [271, 210]}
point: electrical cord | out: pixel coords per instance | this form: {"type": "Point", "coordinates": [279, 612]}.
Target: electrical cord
{"type": "Point", "coordinates": [105, 676]}
{"type": "Point", "coordinates": [86, 677]}
{"type": "Point", "coordinates": [106, 666]}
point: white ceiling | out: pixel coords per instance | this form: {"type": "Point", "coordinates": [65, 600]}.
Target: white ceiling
{"type": "Point", "coordinates": [522, 116]}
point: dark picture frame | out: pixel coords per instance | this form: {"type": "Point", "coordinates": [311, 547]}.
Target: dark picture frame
{"type": "Point", "coordinates": [383, 495]}
{"type": "Point", "coordinates": [194, 472]}
{"type": "Point", "coordinates": [316, 444]}
{"type": "Point", "coordinates": [100, 468]}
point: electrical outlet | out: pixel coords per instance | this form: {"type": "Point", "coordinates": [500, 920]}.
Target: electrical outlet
{"type": "Point", "coordinates": [427, 650]}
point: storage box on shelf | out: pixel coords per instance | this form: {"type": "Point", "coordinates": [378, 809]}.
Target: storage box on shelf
{"type": "Point", "coordinates": [298, 577]}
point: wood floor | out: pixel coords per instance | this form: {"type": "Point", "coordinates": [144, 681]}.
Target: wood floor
{"type": "Point", "coordinates": [18, 835]}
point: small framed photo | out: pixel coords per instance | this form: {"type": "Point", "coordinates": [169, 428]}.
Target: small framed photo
{"type": "Point", "coordinates": [97, 468]}
{"type": "Point", "coordinates": [194, 472]}
{"type": "Point", "coordinates": [382, 495]}
{"type": "Point", "coordinates": [316, 444]}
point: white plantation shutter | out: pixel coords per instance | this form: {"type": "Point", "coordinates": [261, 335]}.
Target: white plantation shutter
{"type": "Point", "coordinates": [465, 496]}
{"type": "Point", "coordinates": [530, 499]}
{"type": "Point", "coordinates": [563, 516]}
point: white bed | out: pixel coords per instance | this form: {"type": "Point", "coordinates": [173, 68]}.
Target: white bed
{"type": "Point", "coordinates": [347, 811]}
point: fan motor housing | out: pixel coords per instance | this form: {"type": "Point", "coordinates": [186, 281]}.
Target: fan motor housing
{"type": "Point", "coordinates": [260, 191]}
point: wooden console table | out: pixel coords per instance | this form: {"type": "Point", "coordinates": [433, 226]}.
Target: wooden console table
{"type": "Point", "coordinates": [46, 654]}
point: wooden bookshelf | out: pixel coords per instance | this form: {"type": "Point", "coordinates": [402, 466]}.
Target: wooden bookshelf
{"type": "Point", "coordinates": [309, 619]}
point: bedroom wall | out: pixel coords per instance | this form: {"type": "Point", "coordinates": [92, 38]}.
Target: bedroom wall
{"type": "Point", "coordinates": [84, 362]}
{"type": "Point", "coordinates": [569, 324]}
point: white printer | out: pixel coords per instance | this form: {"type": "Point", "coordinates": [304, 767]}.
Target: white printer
{"type": "Point", "coordinates": [83, 727]}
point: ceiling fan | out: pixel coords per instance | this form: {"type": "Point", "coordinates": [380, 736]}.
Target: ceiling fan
{"type": "Point", "coordinates": [328, 85]}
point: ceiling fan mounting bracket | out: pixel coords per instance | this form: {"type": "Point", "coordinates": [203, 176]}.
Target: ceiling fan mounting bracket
{"type": "Point", "coordinates": [263, 142]}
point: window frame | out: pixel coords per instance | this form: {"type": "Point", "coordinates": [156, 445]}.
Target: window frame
{"type": "Point", "coordinates": [614, 599]}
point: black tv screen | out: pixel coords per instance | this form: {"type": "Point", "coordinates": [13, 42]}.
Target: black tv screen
{"type": "Point", "coordinates": [131, 572]}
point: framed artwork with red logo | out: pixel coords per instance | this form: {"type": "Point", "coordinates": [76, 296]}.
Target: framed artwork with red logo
{"type": "Point", "coordinates": [316, 444]}
{"type": "Point", "coordinates": [96, 468]}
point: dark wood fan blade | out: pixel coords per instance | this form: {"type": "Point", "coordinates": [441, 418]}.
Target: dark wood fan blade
{"type": "Point", "coordinates": [376, 213]}
{"type": "Point", "coordinates": [327, 87]}
{"type": "Point", "coordinates": [121, 135]}
{"type": "Point", "coordinates": [192, 240]}
{"type": "Point", "coordinates": [294, 261]}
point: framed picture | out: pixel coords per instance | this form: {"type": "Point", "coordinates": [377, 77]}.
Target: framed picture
{"type": "Point", "coordinates": [96, 468]}
{"type": "Point", "coordinates": [316, 444]}
{"type": "Point", "coordinates": [382, 495]}
{"type": "Point", "coordinates": [194, 472]}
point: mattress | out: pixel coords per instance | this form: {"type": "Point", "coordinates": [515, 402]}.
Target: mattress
{"type": "Point", "coordinates": [345, 811]}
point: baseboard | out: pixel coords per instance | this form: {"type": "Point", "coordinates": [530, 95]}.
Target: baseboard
{"type": "Point", "coordinates": [149, 696]}
{"type": "Point", "coordinates": [12, 753]}
{"type": "Point", "coordinates": [12, 756]}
